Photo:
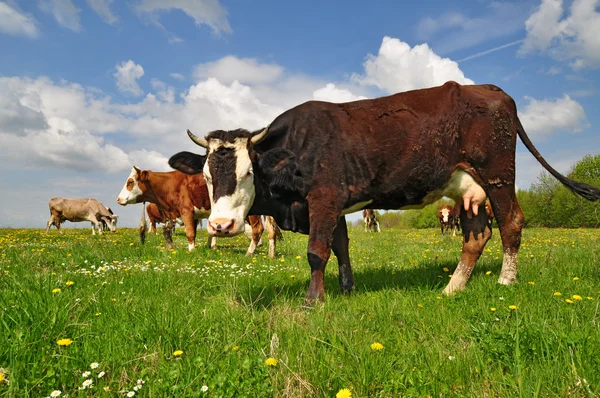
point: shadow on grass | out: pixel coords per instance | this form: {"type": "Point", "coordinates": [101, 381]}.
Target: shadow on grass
{"type": "Point", "coordinates": [423, 276]}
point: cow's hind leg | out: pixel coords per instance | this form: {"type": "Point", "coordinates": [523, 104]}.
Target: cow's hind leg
{"type": "Point", "coordinates": [476, 233]}
{"type": "Point", "coordinates": [273, 233]}
{"type": "Point", "coordinates": [340, 249]}
{"type": "Point", "coordinates": [509, 218]}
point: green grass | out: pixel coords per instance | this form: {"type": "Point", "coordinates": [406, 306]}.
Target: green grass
{"type": "Point", "coordinates": [132, 306]}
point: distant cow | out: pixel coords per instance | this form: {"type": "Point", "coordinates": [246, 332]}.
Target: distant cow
{"type": "Point", "coordinates": [176, 195]}
{"type": "Point", "coordinates": [155, 217]}
{"type": "Point", "coordinates": [319, 161]}
{"type": "Point", "coordinates": [446, 217]}
{"type": "Point", "coordinates": [77, 210]}
{"type": "Point", "coordinates": [370, 220]}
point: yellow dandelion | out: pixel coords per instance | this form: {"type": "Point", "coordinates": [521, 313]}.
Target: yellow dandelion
{"type": "Point", "coordinates": [589, 298]}
{"type": "Point", "coordinates": [56, 290]}
{"type": "Point", "coordinates": [377, 346]}
{"type": "Point", "coordinates": [576, 279]}
{"type": "Point", "coordinates": [492, 309]}
{"type": "Point", "coordinates": [344, 393]}
{"type": "Point", "coordinates": [531, 283]}
{"type": "Point", "coordinates": [445, 269]}
{"type": "Point", "coordinates": [577, 297]}
{"type": "Point", "coordinates": [569, 301]}
{"type": "Point", "coordinates": [64, 342]}
{"type": "Point", "coordinates": [557, 294]}
{"type": "Point", "coordinates": [2, 377]}
{"type": "Point", "coordinates": [98, 313]}
{"type": "Point", "coordinates": [438, 297]}
{"type": "Point", "coordinates": [178, 353]}
{"type": "Point", "coordinates": [271, 361]}
{"type": "Point", "coordinates": [420, 305]}
{"type": "Point", "coordinates": [131, 244]}
{"type": "Point", "coordinates": [235, 348]}
{"type": "Point", "coordinates": [488, 273]}
{"type": "Point", "coordinates": [298, 257]}
{"type": "Point", "coordinates": [512, 307]}
{"type": "Point", "coordinates": [69, 283]}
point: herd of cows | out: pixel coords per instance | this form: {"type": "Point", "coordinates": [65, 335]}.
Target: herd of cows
{"type": "Point", "coordinates": [319, 161]}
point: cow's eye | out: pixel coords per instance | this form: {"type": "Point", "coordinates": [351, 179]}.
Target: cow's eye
{"type": "Point", "coordinates": [250, 174]}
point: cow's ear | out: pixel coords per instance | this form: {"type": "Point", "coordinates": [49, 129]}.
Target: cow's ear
{"type": "Point", "coordinates": [187, 162]}
{"type": "Point", "coordinates": [279, 169]}
{"type": "Point", "coordinates": [144, 175]}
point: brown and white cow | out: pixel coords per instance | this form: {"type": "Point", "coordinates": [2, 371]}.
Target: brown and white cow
{"type": "Point", "coordinates": [77, 210]}
{"type": "Point", "coordinates": [176, 195]}
{"type": "Point", "coordinates": [370, 220]}
{"type": "Point", "coordinates": [319, 161]}
{"type": "Point", "coordinates": [155, 217]}
{"type": "Point", "coordinates": [446, 216]}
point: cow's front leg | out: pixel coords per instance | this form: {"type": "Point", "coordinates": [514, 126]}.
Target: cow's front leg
{"type": "Point", "coordinates": [168, 234]}
{"type": "Point", "coordinates": [93, 230]}
{"type": "Point", "coordinates": [324, 213]}
{"type": "Point", "coordinates": [190, 229]}
{"type": "Point", "coordinates": [340, 249]}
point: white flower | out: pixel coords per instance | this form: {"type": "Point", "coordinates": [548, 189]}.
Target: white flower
{"type": "Point", "coordinates": [137, 387]}
{"type": "Point", "coordinates": [101, 374]}
{"type": "Point", "coordinates": [140, 381]}
{"type": "Point", "coordinates": [55, 393]}
{"type": "Point", "coordinates": [204, 388]}
{"type": "Point", "coordinates": [451, 358]}
{"type": "Point", "coordinates": [87, 383]}
{"type": "Point", "coordinates": [501, 298]}
{"type": "Point", "coordinates": [131, 394]}
{"type": "Point", "coordinates": [94, 365]}
{"type": "Point", "coordinates": [85, 374]}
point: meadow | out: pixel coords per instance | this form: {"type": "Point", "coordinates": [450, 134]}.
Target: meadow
{"type": "Point", "coordinates": [146, 321]}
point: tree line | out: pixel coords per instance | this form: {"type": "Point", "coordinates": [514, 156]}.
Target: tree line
{"type": "Point", "coordinates": [547, 203]}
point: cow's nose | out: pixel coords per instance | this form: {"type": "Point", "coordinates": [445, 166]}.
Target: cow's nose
{"type": "Point", "coordinates": [220, 226]}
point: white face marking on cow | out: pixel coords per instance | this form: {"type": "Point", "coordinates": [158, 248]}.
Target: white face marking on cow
{"type": "Point", "coordinates": [445, 214]}
{"type": "Point", "coordinates": [131, 190]}
{"type": "Point", "coordinates": [234, 207]}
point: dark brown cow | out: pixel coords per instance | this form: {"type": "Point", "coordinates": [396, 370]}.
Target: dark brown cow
{"type": "Point", "coordinates": [176, 195]}
{"type": "Point", "coordinates": [319, 161]}
{"type": "Point", "coordinates": [370, 220]}
{"type": "Point", "coordinates": [446, 217]}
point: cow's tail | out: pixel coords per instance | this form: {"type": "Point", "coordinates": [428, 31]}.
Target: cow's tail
{"type": "Point", "coordinates": [587, 191]}
{"type": "Point", "coordinates": [143, 225]}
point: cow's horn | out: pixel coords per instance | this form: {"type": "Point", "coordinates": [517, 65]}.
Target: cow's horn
{"type": "Point", "coordinates": [260, 136]}
{"type": "Point", "coordinates": [198, 140]}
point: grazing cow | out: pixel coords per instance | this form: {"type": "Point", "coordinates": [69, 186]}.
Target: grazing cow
{"type": "Point", "coordinates": [446, 217]}
{"type": "Point", "coordinates": [319, 161]}
{"type": "Point", "coordinates": [370, 220]}
{"type": "Point", "coordinates": [155, 217]}
{"type": "Point", "coordinates": [77, 210]}
{"type": "Point", "coordinates": [176, 195]}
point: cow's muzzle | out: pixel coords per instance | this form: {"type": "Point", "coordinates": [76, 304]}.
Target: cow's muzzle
{"type": "Point", "coordinates": [221, 227]}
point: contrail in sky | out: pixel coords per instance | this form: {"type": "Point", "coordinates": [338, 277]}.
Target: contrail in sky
{"type": "Point", "coordinates": [481, 54]}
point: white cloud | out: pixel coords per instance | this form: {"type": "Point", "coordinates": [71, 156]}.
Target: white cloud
{"type": "Point", "coordinates": [102, 8]}
{"type": "Point", "coordinates": [331, 93]}
{"type": "Point", "coordinates": [127, 75]}
{"type": "Point", "coordinates": [245, 70]}
{"type": "Point", "coordinates": [572, 38]}
{"type": "Point", "coordinates": [453, 31]}
{"type": "Point", "coordinates": [545, 117]}
{"type": "Point", "coordinates": [398, 67]}
{"type": "Point", "coordinates": [204, 12]}
{"type": "Point", "coordinates": [177, 76]}
{"type": "Point", "coordinates": [13, 22]}
{"type": "Point", "coordinates": [64, 11]}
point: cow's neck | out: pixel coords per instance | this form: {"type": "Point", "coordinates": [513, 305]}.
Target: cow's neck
{"type": "Point", "coordinates": [156, 189]}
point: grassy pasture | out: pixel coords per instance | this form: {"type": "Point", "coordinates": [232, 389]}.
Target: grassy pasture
{"type": "Point", "coordinates": [131, 307]}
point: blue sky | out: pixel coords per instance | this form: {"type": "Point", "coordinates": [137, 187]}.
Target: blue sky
{"type": "Point", "coordinates": [90, 87]}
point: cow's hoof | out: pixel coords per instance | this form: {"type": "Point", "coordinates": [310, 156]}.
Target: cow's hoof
{"type": "Point", "coordinates": [503, 280]}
